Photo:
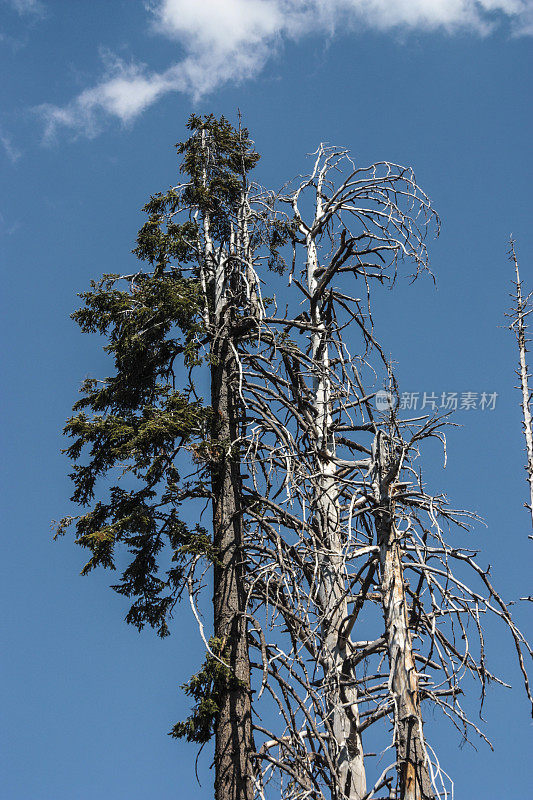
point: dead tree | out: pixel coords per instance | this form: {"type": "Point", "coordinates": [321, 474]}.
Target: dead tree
{"type": "Point", "coordinates": [414, 770]}
{"type": "Point", "coordinates": [358, 228]}
{"type": "Point", "coordinates": [520, 312]}
{"type": "Point", "coordinates": [344, 525]}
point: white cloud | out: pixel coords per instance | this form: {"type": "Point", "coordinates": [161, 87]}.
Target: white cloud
{"type": "Point", "coordinates": [450, 15]}
{"type": "Point", "coordinates": [12, 152]}
{"type": "Point", "coordinates": [231, 40]}
{"type": "Point", "coordinates": [219, 24]}
{"type": "Point", "coordinates": [125, 91]}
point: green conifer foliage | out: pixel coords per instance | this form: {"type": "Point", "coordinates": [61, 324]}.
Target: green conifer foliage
{"type": "Point", "coordinates": [206, 688]}
{"type": "Point", "coordinates": [132, 428]}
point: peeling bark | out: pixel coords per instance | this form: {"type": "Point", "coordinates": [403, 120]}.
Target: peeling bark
{"type": "Point", "coordinates": [413, 769]}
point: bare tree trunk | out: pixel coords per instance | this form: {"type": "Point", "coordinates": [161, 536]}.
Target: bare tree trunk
{"type": "Point", "coordinates": [341, 700]}
{"type": "Point", "coordinates": [413, 769]}
{"type": "Point", "coordinates": [245, 255]}
{"type": "Point", "coordinates": [519, 326]}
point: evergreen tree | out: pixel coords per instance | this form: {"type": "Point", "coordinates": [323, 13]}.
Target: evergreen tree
{"type": "Point", "coordinates": [164, 324]}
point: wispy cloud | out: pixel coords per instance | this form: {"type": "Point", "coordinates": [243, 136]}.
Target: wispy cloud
{"type": "Point", "coordinates": [31, 7]}
{"type": "Point", "coordinates": [12, 152]}
{"type": "Point", "coordinates": [231, 40]}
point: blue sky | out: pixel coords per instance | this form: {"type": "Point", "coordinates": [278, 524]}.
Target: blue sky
{"type": "Point", "coordinates": [93, 98]}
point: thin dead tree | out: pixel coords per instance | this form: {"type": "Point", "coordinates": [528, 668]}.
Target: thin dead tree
{"type": "Point", "coordinates": [414, 766]}
{"type": "Point", "coordinates": [520, 312]}
{"type": "Point", "coordinates": [433, 614]}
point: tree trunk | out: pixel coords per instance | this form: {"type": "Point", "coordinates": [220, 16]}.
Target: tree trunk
{"type": "Point", "coordinates": [519, 324]}
{"type": "Point", "coordinates": [413, 769]}
{"type": "Point", "coordinates": [234, 740]}
{"type": "Point", "coordinates": [341, 700]}
{"type": "Point", "coordinates": [234, 744]}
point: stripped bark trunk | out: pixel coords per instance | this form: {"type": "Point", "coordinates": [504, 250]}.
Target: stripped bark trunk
{"type": "Point", "coordinates": [341, 699]}
{"type": "Point", "coordinates": [253, 295]}
{"type": "Point", "coordinates": [413, 766]}
{"type": "Point", "coordinates": [519, 325]}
